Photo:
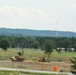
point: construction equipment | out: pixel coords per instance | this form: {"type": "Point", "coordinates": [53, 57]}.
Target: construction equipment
{"type": "Point", "coordinates": [44, 58]}
{"type": "Point", "coordinates": [17, 58]}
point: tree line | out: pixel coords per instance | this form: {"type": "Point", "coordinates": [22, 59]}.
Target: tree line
{"type": "Point", "coordinates": [37, 42]}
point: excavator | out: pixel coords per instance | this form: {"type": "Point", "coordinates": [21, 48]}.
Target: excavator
{"type": "Point", "coordinates": [44, 58]}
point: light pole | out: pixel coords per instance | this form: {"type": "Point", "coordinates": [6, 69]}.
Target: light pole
{"type": "Point", "coordinates": [56, 28]}
{"type": "Point", "coordinates": [56, 35]}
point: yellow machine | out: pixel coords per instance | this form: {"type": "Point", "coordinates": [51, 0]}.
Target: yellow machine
{"type": "Point", "coordinates": [17, 58]}
{"type": "Point", "coordinates": [44, 58]}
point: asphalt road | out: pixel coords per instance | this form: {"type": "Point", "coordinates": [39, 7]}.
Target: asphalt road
{"type": "Point", "coordinates": [33, 71]}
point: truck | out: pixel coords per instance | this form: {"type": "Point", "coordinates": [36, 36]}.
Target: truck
{"type": "Point", "coordinates": [17, 59]}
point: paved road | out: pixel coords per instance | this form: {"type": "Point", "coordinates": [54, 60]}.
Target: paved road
{"type": "Point", "coordinates": [34, 71]}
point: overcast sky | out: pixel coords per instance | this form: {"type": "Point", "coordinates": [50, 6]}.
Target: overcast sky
{"type": "Point", "coordinates": [38, 14]}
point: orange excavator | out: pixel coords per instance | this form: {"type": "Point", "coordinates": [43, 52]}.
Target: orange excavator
{"type": "Point", "coordinates": [44, 58]}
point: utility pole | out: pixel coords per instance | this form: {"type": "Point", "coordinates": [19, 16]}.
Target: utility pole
{"type": "Point", "coordinates": [56, 34]}
{"type": "Point", "coordinates": [56, 28]}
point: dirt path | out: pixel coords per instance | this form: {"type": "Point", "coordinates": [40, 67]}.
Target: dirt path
{"type": "Point", "coordinates": [34, 65]}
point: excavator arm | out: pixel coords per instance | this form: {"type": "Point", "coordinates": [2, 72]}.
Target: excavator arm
{"type": "Point", "coordinates": [45, 58]}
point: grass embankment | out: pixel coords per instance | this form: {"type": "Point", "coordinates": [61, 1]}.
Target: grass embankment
{"type": "Point", "coordinates": [23, 73]}
{"type": "Point", "coordinates": [31, 54]}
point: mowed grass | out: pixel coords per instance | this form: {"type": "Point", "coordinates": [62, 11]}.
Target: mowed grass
{"type": "Point", "coordinates": [32, 54]}
{"type": "Point", "coordinates": [63, 56]}
{"type": "Point", "coordinates": [23, 73]}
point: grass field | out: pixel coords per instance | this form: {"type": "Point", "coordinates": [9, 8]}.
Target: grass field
{"type": "Point", "coordinates": [31, 62]}
{"type": "Point", "coordinates": [31, 54]}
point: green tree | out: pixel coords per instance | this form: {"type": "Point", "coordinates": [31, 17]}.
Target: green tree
{"type": "Point", "coordinates": [73, 67]}
{"type": "Point", "coordinates": [4, 44]}
{"type": "Point", "coordinates": [59, 44]}
{"type": "Point", "coordinates": [19, 53]}
{"type": "Point", "coordinates": [66, 44]}
{"type": "Point", "coordinates": [74, 47]}
{"type": "Point", "coordinates": [30, 41]}
{"type": "Point", "coordinates": [35, 45]}
{"type": "Point", "coordinates": [48, 46]}
{"type": "Point", "coordinates": [22, 45]}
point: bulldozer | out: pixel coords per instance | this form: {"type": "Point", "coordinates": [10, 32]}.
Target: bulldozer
{"type": "Point", "coordinates": [44, 58]}
{"type": "Point", "coordinates": [17, 59]}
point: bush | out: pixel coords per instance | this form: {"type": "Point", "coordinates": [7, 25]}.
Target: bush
{"type": "Point", "coordinates": [73, 67]}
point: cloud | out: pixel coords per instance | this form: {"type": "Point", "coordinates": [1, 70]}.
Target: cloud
{"type": "Point", "coordinates": [19, 13]}
{"type": "Point", "coordinates": [71, 4]}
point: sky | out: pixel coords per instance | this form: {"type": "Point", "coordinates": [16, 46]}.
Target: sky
{"type": "Point", "coordinates": [38, 14]}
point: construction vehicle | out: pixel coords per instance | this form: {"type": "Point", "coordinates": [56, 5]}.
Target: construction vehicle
{"type": "Point", "coordinates": [17, 59]}
{"type": "Point", "coordinates": [44, 58]}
